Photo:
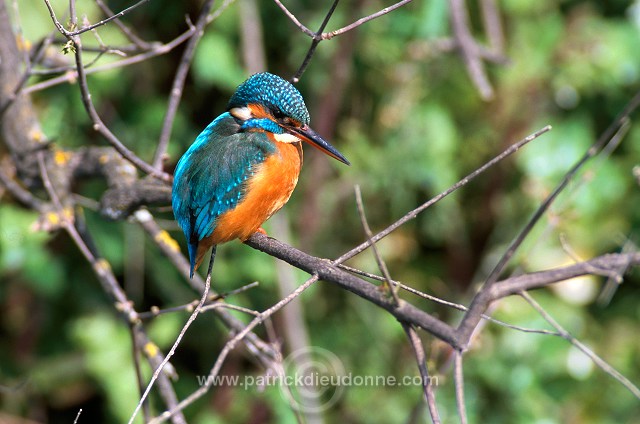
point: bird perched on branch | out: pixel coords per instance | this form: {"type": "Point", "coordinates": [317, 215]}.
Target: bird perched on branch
{"type": "Point", "coordinates": [244, 166]}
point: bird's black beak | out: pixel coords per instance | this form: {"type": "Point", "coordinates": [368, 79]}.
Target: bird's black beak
{"type": "Point", "coordinates": [310, 136]}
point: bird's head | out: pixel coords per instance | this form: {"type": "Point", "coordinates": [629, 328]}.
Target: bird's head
{"type": "Point", "coordinates": [266, 102]}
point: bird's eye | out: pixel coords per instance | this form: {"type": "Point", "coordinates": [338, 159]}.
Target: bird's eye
{"type": "Point", "coordinates": [278, 114]}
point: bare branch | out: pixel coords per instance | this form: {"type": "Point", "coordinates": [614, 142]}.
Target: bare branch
{"type": "Point", "coordinates": [98, 125]}
{"type": "Point", "coordinates": [75, 420]}
{"type": "Point", "coordinates": [319, 36]}
{"type": "Point", "coordinates": [613, 282]}
{"type": "Point", "coordinates": [135, 350]}
{"type": "Point", "coordinates": [467, 47]}
{"type": "Point", "coordinates": [483, 297]}
{"type": "Point", "coordinates": [602, 265]}
{"type": "Point", "coordinates": [296, 334]}
{"type": "Point", "coordinates": [328, 271]}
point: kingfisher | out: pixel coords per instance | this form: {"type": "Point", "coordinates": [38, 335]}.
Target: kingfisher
{"type": "Point", "coordinates": [244, 166]}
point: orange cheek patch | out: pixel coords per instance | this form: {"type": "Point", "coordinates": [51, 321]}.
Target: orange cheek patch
{"type": "Point", "coordinates": [258, 111]}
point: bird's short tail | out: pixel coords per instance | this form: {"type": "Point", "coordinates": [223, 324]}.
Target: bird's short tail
{"type": "Point", "coordinates": [197, 252]}
{"type": "Point", "coordinates": [193, 251]}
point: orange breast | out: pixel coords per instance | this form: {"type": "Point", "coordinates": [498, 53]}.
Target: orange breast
{"type": "Point", "coordinates": [267, 191]}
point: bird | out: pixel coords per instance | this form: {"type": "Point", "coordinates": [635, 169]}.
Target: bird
{"type": "Point", "coordinates": [244, 166]}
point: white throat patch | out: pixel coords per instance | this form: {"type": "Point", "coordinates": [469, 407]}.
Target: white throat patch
{"type": "Point", "coordinates": [286, 138]}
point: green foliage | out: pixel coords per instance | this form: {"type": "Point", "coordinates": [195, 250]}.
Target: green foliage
{"type": "Point", "coordinates": [217, 63]}
{"type": "Point", "coordinates": [23, 250]}
{"type": "Point", "coordinates": [107, 357]}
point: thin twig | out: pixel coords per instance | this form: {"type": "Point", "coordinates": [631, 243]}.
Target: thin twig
{"type": "Point", "coordinates": [155, 312]}
{"type": "Point", "coordinates": [458, 376]}
{"type": "Point", "coordinates": [319, 36]}
{"type": "Point", "coordinates": [390, 285]}
{"type": "Point", "coordinates": [178, 84]}
{"type": "Point", "coordinates": [590, 270]}
{"type": "Point", "coordinates": [242, 309]}
{"type": "Point", "coordinates": [421, 360]}
{"type": "Point", "coordinates": [613, 282]}
{"type": "Point", "coordinates": [135, 351]}
{"type": "Point", "coordinates": [73, 16]}
{"type": "Point", "coordinates": [606, 265]}
{"type": "Point", "coordinates": [192, 317]}
{"type": "Point", "coordinates": [467, 47]}
{"type": "Point", "coordinates": [314, 43]}
{"type": "Point", "coordinates": [448, 303]}
{"type": "Point", "coordinates": [228, 347]}
{"type": "Point", "coordinates": [139, 42]}
{"type": "Point", "coordinates": [30, 61]}
{"type": "Point", "coordinates": [330, 35]}
{"type": "Point", "coordinates": [98, 125]}
{"type": "Point", "coordinates": [170, 248]}
{"type": "Point", "coordinates": [75, 421]}
{"type": "Point", "coordinates": [103, 22]}
{"type": "Point", "coordinates": [296, 334]}
{"type": "Point", "coordinates": [295, 20]}
{"type": "Point", "coordinates": [225, 4]}
{"type": "Point", "coordinates": [72, 77]}
{"type": "Point", "coordinates": [483, 297]}
{"type": "Point", "coordinates": [328, 271]}
{"type": "Point", "coordinates": [464, 181]}
{"type": "Point", "coordinates": [601, 363]}
{"type": "Point", "coordinates": [492, 25]}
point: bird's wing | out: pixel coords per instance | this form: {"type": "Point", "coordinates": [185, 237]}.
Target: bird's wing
{"type": "Point", "coordinates": [216, 183]}
{"type": "Point", "coordinates": [209, 179]}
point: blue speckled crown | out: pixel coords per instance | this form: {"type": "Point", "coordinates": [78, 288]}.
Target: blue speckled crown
{"type": "Point", "coordinates": [273, 92]}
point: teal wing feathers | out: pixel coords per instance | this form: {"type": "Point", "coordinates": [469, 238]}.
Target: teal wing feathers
{"type": "Point", "coordinates": [209, 178]}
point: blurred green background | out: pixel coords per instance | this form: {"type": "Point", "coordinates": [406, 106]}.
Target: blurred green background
{"type": "Point", "coordinates": [409, 119]}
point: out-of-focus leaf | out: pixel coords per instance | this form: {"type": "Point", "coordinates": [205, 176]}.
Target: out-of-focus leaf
{"type": "Point", "coordinates": [216, 62]}
{"type": "Point", "coordinates": [107, 350]}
